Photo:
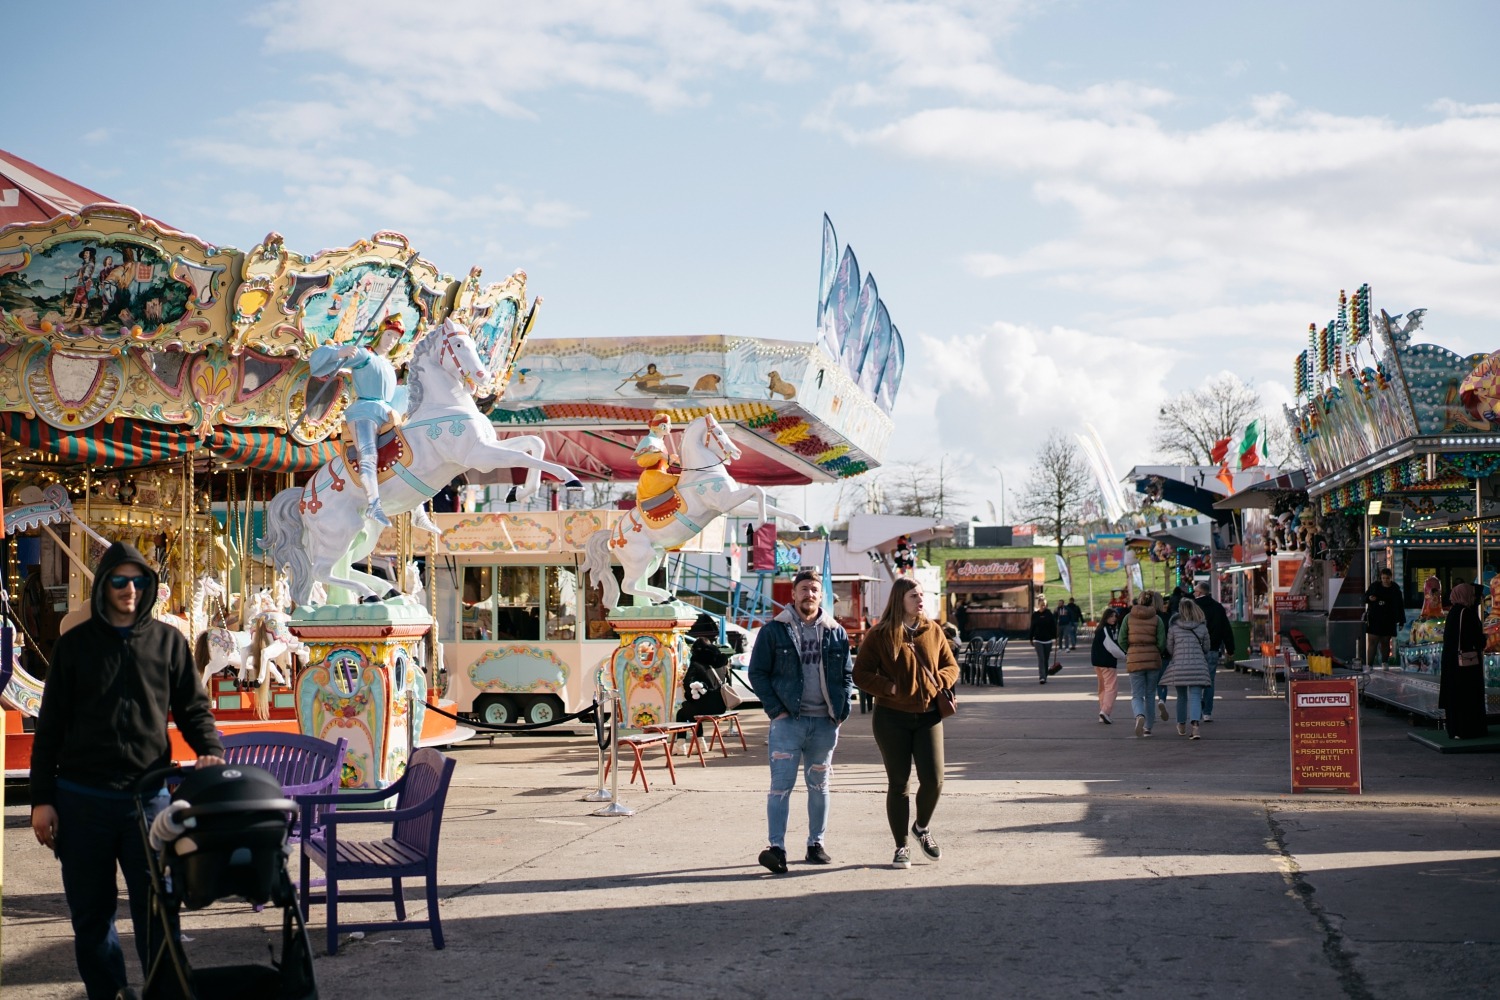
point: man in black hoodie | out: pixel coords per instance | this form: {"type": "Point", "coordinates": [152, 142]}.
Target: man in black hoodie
{"type": "Point", "coordinates": [1220, 641]}
{"type": "Point", "coordinates": [101, 728]}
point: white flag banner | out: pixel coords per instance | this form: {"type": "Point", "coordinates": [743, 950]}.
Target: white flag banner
{"type": "Point", "coordinates": [1062, 571]}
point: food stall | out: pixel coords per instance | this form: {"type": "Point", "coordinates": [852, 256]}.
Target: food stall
{"type": "Point", "coordinates": [993, 597]}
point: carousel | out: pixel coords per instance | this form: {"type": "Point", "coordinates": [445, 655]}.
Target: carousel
{"type": "Point", "coordinates": [164, 391]}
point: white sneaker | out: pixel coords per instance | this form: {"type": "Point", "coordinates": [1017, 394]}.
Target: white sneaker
{"type": "Point", "coordinates": [1140, 725]}
{"type": "Point", "coordinates": [902, 858]}
{"type": "Point", "coordinates": [1208, 718]}
{"type": "Point", "coordinates": [1161, 711]}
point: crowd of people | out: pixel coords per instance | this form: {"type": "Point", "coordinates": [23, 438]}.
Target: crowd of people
{"type": "Point", "coordinates": [1167, 646]}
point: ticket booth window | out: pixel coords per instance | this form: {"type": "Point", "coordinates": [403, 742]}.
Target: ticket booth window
{"type": "Point", "coordinates": [562, 602]}
{"type": "Point", "coordinates": [518, 603]}
{"type": "Point", "coordinates": [477, 608]}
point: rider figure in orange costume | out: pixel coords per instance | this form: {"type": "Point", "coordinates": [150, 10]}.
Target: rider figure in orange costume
{"type": "Point", "coordinates": [660, 468]}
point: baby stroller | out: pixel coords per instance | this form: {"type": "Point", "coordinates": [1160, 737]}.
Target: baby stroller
{"type": "Point", "coordinates": [223, 835]}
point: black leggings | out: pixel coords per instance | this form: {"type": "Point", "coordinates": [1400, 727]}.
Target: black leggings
{"type": "Point", "coordinates": [904, 738]}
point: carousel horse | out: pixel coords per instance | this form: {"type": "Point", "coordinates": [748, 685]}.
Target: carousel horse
{"type": "Point", "coordinates": [162, 614]}
{"type": "Point", "coordinates": [319, 530]}
{"type": "Point", "coordinates": [218, 648]}
{"type": "Point", "coordinates": [706, 490]}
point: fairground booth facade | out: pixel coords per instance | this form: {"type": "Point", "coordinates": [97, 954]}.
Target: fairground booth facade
{"type": "Point", "coordinates": [1402, 444]}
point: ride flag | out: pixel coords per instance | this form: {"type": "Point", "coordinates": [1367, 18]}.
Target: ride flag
{"type": "Point", "coordinates": [1252, 444]}
{"type": "Point", "coordinates": [1220, 451]}
{"type": "Point", "coordinates": [1226, 477]}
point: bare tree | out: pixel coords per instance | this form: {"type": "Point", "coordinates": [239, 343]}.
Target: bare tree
{"type": "Point", "coordinates": [1281, 447]}
{"type": "Point", "coordinates": [1057, 488]}
{"type": "Point", "coordinates": [1189, 425]}
{"type": "Point", "coordinates": [921, 489]}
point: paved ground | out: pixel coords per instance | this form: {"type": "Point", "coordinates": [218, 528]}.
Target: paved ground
{"type": "Point", "coordinates": [1077, 861]}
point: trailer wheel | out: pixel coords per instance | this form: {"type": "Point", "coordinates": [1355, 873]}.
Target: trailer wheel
{"type": "Point", "coordinates": [542, 711]}
{"type": "Point", "coordinates": [496, 710]}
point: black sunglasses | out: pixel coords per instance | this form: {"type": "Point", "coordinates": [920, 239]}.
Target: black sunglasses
{"type": "Point", "coordinates": [121, 582]}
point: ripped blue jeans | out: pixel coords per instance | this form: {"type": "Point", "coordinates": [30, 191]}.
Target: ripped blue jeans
{"type": "Point", "coordinates": [807, 741]}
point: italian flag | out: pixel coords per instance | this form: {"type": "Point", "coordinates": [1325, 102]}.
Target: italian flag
{"type": "Point", "coordinates": [1252, 444]}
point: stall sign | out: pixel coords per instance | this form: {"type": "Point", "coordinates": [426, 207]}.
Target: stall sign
{"type": "Point", "coordinates": [1290, 602]}
{"type": "Point", "coordinates": [996, 570]}
{"type": "Point", "coordinates": [1325, 735]}
{"type": "Point", "coordinates": [1287, 568]}
{"type": "Point", "coordinates": [1253, 538]}
{"type": "Point", "coordinates": [1106, 553]}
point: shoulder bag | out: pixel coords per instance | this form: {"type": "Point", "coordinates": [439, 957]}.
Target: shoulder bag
{"type": "Point", "coordinates": [946, 699]}
{"type": "Point", "coordinates": [1112, 647]}
{"type": "Point", "coordinates": [731, 697]}
{"type": "Point", "coordinates": [1466, 657]}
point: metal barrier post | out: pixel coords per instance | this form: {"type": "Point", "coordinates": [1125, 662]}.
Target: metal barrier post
{"type": "Point", "coordinates": [615, 807]}
{"type": "Point", "coordinates": [600, 793]}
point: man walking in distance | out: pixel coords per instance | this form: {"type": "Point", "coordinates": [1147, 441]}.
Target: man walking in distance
{"type": "Point", "coordinates": [1385, 613]}
{"type": "Point", "coordinates": [1075, 618]}
{"type": "Point", "coordinates": [800, 670]}
{"type": "Point", "coordinates": [101, 728]}
{"type": "Point", "coordinates": [1220, 641]}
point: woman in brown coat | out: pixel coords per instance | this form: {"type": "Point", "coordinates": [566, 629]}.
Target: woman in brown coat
{"type": "Point", "coordinates": [903, 662]}
{"type": "Point", "coordinates": [1144, 639]}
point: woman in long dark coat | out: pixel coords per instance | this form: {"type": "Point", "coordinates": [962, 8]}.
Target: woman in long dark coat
{"type": "Point", "coordinates": [703, 682]}
{"type": "Point", "coordinates": [1461, 688]}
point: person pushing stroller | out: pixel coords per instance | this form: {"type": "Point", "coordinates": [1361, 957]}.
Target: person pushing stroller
{"type": "Point", "coordinates": [102, 726]}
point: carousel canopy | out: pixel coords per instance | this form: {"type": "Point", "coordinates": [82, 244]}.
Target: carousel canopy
{"type": "Point", "coordinates": [29, 193]}
{"type": "Point", "coordinates": [107, 315]}
{"type": "Point", "coordinates": [796, 412]}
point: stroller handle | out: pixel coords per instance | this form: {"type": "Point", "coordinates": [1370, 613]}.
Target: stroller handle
{"type": "Point", "coordinates": [220, 808]}
{"type": "Point", "coordinates": [153, 780]}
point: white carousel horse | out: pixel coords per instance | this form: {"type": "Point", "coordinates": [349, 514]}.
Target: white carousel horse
{"type": "Point", "coordinates": [218, 647]}
{"type": "Point", "coordinates": [161, 614]}
{"type": "Point", "coordinates": [412, 584]}
{"type": "Point", "coordinates": [319, 530]}
{"type": "Point", "coordinates": [706, 490]}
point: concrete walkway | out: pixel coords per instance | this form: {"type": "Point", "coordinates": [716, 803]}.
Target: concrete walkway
{"type": "Point", "coordinates": [1078, 860]}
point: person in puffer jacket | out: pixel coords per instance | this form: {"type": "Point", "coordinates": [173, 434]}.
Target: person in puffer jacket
{"type": "Point", "coordinates": [1143, 636]}
{"type": "Point", "coordinates": [1187, 645]}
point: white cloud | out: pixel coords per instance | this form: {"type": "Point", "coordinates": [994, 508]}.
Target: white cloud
{"type": "Point", "coordinates": [341, 193]}
{"type": "Point", "coordinates": [1184, 248]}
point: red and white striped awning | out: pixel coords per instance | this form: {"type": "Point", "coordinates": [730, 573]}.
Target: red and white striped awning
{"type": "Point", "coordinates": [29, 193]}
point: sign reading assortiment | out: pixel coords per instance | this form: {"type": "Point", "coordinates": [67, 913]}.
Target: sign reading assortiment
{"type": "Point", "coordinates": [1325, 735]}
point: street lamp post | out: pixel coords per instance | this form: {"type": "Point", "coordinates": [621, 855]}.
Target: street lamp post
{"type": "Point", "coordinates": [1001, 474]}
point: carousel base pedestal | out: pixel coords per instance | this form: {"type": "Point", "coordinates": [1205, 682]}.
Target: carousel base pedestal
{"type": "Point", "coordinates": [648, 666]}
{"type": "Point", "coordinates": [365, 682]}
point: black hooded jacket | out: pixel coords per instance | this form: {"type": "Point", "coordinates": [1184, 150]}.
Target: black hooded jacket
{"type": "Point", "coordinates": [103, 720]}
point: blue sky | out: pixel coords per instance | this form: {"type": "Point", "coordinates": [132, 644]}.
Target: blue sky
{"type": "Point", "coordinates": [1074, 209]}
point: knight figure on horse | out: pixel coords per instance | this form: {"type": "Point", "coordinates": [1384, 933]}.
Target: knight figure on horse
{"type": "Point", "coordinates": [379, 404]}
{"type": "Point", "coordinates": [660, 470]}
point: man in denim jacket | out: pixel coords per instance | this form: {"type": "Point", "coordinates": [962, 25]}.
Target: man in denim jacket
{"type": "Point", "coordinates": [801, 671]}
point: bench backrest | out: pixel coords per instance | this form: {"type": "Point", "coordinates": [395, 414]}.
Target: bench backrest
{"type": "Point", "coordinates": [305, 765]}
{"type": "Point", "coordinates": [425, 784]}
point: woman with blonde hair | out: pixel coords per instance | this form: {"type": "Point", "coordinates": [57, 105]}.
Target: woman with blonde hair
{"type": "Point", "coordinates": [1143, 636]}
{"type": "Point", "coordinates": [903, 662]}
{"type": "Point", "coordinates": [1188, 671]}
